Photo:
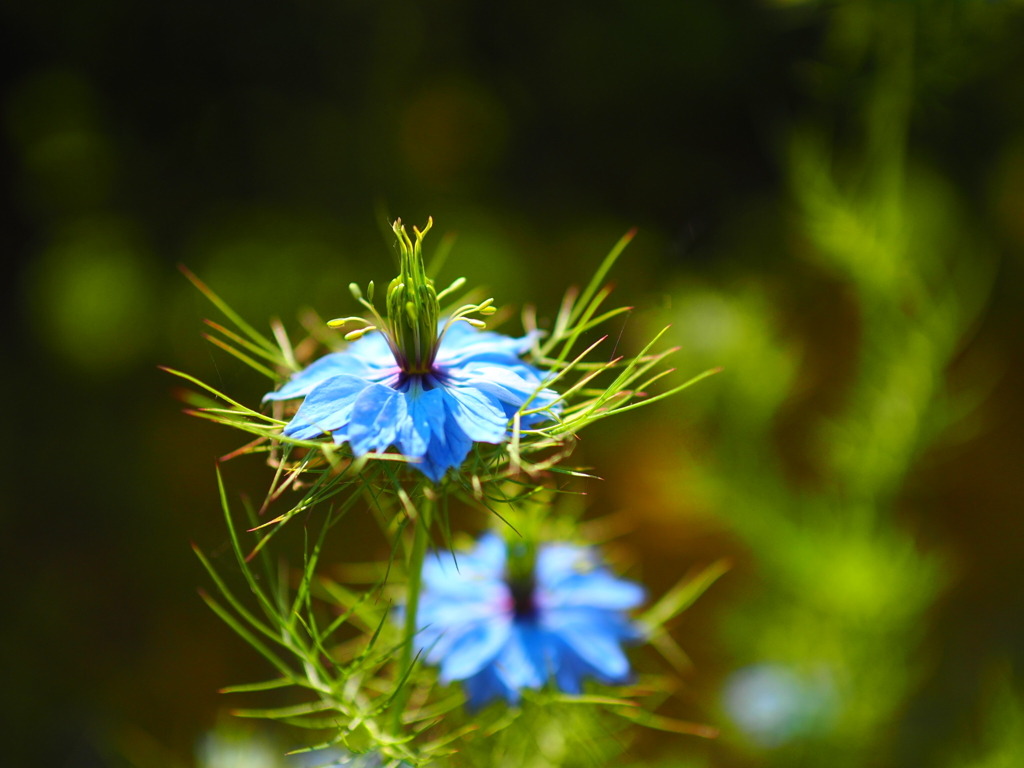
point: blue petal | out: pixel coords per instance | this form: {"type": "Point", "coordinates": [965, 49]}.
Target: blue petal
{"type": "Point", "coordinates": [476, 648]}
{"type": "Point", "coordinates": [455, 602]}
{"type": "Point", "coordinates": [485, 686]}
{"type": "Point", "coordinates": [463, 343]}
{"type": "Point", "coordinates": [303, 382]}
{"type": "Point", "coordinates": [592, 635]}
{"type": "Point", "coordinates": [512, 388]}
{"type": "Point", "coordinates": [485, 563]}
{"type": "Point", "coordinates": [444, 623]}
{"type": "Point", "coordinates": [468, 583]}
{"type": "Point", "coordinates": [490, 554]}
{"type": "Point", "coordinates": [450, 609]}
{"type": "Point", "coordinates": [443, 450]}
{"type": "Point", "coordinates": [415, 431]}
{"type": "Point", "coordinates": [521, 663]}
{"type": "Point", "coordinates": [327, 407]}
{"type": "Point", "coordinates": [369, 357]}
{"type": "Point", "coordinates": [501, 382]}
{"type": "Point", "coordinates": [614, 624]}
{"type": "Point", "coordinates": [597, 589]}
{"type": "Point", "coordinates": [557, 562]}
{"type": "Point", "coordinates": [372, 348]}
{"type": "Point", "coordinates": [478, 416]}
{"type": "Point", "coordinates": [570, 669]}
{"type": "Point", "coordinates": [377, 417]}
{"type": "Point", "coordinates": [445, 453]}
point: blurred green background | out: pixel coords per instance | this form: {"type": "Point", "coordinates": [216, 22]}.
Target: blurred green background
{"type": "Point", "coordinates": [830, 199]}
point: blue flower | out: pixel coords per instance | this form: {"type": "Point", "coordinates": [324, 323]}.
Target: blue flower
{"type": "Point", "coordinates": [362, 396]}
{"type": "Point", "coordinates": [500, 635]}
{"type": "Point", "coordinates": [333, 756]}
{"type": "Point", "coordinates": [429, 386]}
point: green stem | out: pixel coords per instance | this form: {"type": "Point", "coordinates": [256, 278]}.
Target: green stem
{"type": "Point", "coordinates": [421, 536]}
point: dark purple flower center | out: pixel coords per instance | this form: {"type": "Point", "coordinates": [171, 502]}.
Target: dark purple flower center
{"type": "Point", "coordinates": [402, 381]}
{"type": "Point", "coordinates": [524, 605]}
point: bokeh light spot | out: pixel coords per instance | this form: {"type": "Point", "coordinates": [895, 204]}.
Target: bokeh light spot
{"type": "Point", "coordinates": [93, 298]}
{"type": "Point", "coordinates": [772, 704]}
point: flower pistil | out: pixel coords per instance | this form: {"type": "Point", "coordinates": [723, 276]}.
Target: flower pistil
{"type": "Point", "coordinates": [413, 308]}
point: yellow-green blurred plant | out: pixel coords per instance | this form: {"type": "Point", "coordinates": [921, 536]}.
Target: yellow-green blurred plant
{"type": "Point", "coordinates": [832, 634]}
{"type": "Point", "coordinates": [1001, 741]}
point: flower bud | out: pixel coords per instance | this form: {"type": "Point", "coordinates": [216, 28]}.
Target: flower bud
{"type": "Point", "coordinates": [413, 307]}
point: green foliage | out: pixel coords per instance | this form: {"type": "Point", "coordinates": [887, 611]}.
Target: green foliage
{"type": "Point", "coordinates": [1002, 737]}
{"type": "Point", "coordinates": [843, 587]}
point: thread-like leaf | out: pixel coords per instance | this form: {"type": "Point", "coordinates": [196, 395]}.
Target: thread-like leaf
{"type": "Point", "coordinates": [233, 316]}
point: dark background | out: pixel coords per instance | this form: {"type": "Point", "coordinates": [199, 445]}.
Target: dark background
{"type": "Point", "coordinates": [263, 144]}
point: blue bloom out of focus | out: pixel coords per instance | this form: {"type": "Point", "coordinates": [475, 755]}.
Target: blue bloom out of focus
{"type": "Point", "coordinates": [773, 703]}
{"type": "Point", "coordinates": [429, 386]}
{"type": "Point", "coordinates": [501, 634]}
{"type": "Point", "coordinates": [331, 757]}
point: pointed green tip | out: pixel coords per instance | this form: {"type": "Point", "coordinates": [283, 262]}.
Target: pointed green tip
{"type": "Point", "coordinates": [412, 303]}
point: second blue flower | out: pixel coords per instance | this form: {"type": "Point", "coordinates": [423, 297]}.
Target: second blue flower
{"type": "Point", "coordinates": [500, 633]}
